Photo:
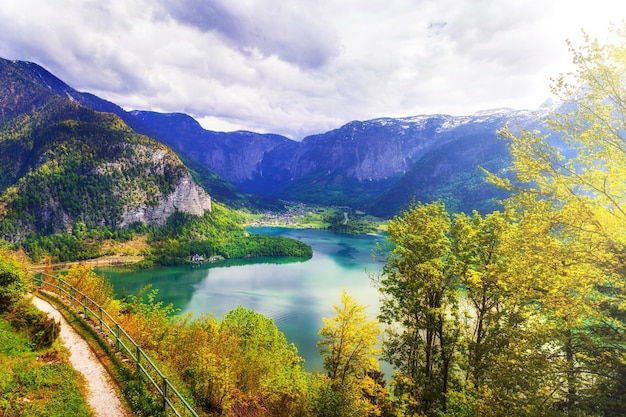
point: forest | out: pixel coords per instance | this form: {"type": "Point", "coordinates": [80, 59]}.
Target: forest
{"type": "Point", "coordinates": [520, 312]}
{"type": "Point", "coordinates": [217, 234]}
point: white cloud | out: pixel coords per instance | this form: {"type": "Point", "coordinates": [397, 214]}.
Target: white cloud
{"type": "Point", "coordinates": [304, 67]}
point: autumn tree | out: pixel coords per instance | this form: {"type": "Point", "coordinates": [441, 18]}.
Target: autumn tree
{"type": "Point", "coordinates": [477, 250]}
{"type": "Point", "coordinates": [350, 347]}
{"type": "Point", "coordinates": [420, 306]}
{"type": "Point", "coordinates": [569, 195]}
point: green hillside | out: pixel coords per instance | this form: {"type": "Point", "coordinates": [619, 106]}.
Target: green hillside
{"type": "Point", "coordinates": [72, 180]}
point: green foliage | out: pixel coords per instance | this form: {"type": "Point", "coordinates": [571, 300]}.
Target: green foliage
{"type": "Point", "coordinates": [347, 220]}
{"type": "Point", "coordinates": [567, 252]}
{"type": "Point", "coordinates": [61, 247]}
{"type": "Point", "coordinates": [484, 320]}
{"type": "Point", "coordinates": [134, 386]}
{"type": "Point", "coordinates": [241, 363]}
{"type": "Point", "coordinates": [218, 234]}
{"type": "Point", "coordinates": [35, 383]}
{"type": "Point", "coordinates": [479, 256]}
{"type": "Point", "coordinates": [14, 283]}
{"type": "Point", "coordinates": [350, 349]}
{"type": "Point", "coordinates": [85, 280]}
{"type": "Point", "coordinates": [420, 304]}
{"type": "Point", "coordinates": [331, 399]}
{"type": "Point", "coordinates": [350, 342]}
{"type": "Point", "coordinates": [268, 367]}
{"type": "Point", "coordinates": [82, 244]}
{"type": "Point", "coordinates": [42, 330]}
{"type": "Point", "coordinates": [333, 190]}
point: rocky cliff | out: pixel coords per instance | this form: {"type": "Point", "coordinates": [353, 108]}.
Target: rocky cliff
{"type": "Point", "coordinates": [186, 197]}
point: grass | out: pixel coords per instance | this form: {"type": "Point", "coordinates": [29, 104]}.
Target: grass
{"type": "Point", "coordinates": [36, 383]}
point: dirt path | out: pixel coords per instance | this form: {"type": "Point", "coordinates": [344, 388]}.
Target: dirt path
{"type": "Point", "coordinates": [101, 396]}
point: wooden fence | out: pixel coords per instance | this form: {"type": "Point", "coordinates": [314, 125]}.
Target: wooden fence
{"type": "Point", "coordinates": [124, 344]}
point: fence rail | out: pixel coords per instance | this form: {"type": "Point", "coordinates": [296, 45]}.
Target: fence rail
{"type": "Point", "coordinates": [124, 343]}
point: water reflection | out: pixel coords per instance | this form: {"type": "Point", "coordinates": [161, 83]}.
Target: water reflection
{"type": "Point", "coordinates": [295, 294]}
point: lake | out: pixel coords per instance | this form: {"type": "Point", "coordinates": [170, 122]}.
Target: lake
{"type": "Point", "coordinates": [295, 294]}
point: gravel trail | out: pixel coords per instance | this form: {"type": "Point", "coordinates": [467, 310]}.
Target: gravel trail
{"type": "Point", "coordinates": [101, 397]}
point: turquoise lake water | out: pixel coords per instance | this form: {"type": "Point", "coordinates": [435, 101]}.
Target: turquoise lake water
{"type": "Point", "coordinates": [296, 295]}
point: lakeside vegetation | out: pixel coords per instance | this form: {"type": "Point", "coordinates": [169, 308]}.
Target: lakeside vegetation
{"type": "Point", "coordinates": [216, 235]}
{"type": "Point", "coordinates": [243, 364]}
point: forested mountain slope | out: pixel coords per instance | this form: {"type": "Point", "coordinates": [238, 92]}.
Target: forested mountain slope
{"type": "Point", "coordinates": [63, 163]}
{"type": "Point", "coordinates": [75, 182]}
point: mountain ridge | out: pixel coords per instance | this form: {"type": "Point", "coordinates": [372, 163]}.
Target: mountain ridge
{"type": "Point", "coordinates": [377, 165]}
{"type": "Point", "coordinates": [365, 164]}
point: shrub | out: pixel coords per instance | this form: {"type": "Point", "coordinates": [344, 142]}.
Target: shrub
{"type": "Point", "coordinates": [14, 282]}
{"type": "Point", "coordinates": [40, 329]}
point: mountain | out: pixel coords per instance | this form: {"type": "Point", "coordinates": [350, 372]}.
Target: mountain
{"type": "Point", "coordinates": [452, 169]}
{"type": "Point", "coordinates": [45, 80]}
{"type": "Point", "coordinates": [377, 165]}
{"type": "Point", "coordinates": [62, 162]}
{"type": "Point", "coordinates": [250, 161]}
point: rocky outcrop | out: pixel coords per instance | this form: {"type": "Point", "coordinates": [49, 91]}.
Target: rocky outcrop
{"type": "Point", "coordinates": [187, 197]}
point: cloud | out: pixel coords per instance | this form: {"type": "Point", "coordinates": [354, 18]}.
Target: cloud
{"type": "Point", "coordinates": [303, 67]}
{"type": "Point", "coordinates": [290, 30]}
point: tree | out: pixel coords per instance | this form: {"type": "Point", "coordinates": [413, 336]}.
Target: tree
{"type": "Point", "coordinates": [420, 305]}
{"type": "Point", "coordinates": [267, 369]}
{"type": "Point", "coordinates": [490, 302]}
{"type": "Point", "coordinates": [578, 170]}
{"type": "Point", "coordinates": [349, 347]}
{"type": "Point", "coordinates": [569, 198]}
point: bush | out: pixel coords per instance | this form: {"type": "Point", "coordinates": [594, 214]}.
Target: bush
{"type": "Point", "coordinates": [40, 329]}
{"type": "Point", "coordinates": [14, 282]}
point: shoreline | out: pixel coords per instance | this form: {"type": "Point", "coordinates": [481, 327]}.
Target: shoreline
{"type": "Point", "coordinates": [102, 261]}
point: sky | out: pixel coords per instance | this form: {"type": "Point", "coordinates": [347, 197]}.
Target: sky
{"type": "Point", "coordinates": [301, 67]}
